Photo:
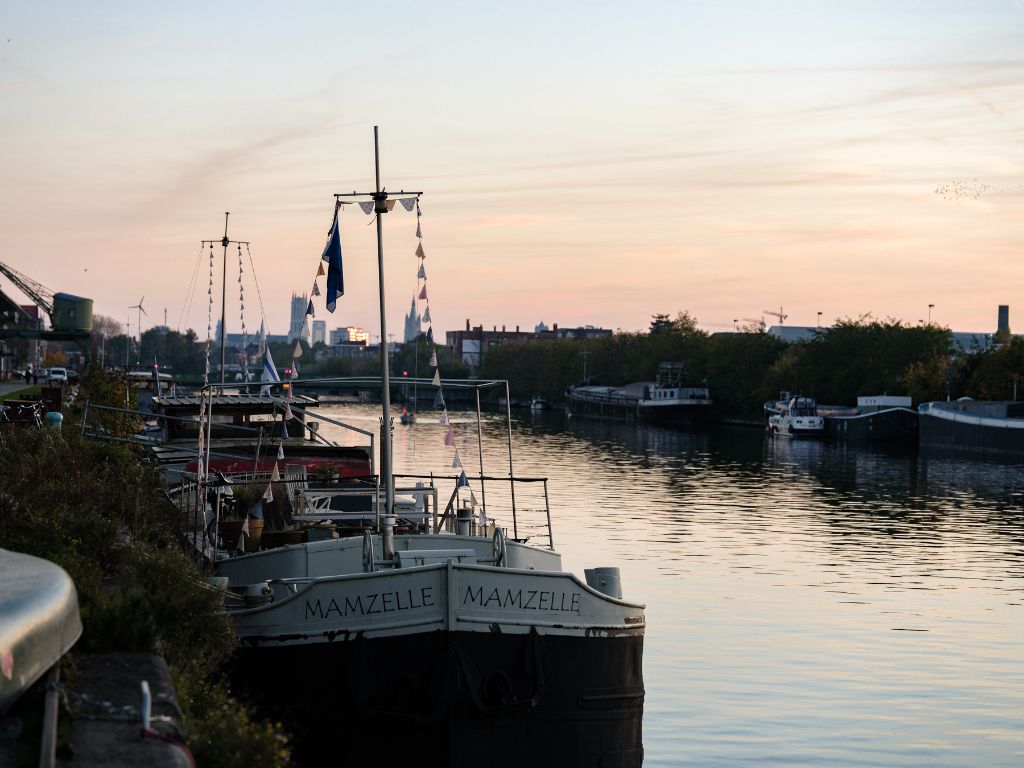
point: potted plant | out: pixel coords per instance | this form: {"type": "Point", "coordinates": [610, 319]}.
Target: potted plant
{"type": "Point", "coordinates": [247, 497]}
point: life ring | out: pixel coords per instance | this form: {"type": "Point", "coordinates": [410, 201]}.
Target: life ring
{"type": "Point", "coordinates": [499, 547]}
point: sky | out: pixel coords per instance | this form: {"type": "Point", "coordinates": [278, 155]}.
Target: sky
{"type": "Point", "coordinates": [581, 163]}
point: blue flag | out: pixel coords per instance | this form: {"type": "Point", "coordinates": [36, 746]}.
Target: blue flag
{"type": "Point", "coordinates": [439, 399]}
{"type": "Point", "coordinates": [463, 481]}
{"type": "Point", "coordinates": [332, 255]}
{"type": "Point", "coordinates": [269, 373]}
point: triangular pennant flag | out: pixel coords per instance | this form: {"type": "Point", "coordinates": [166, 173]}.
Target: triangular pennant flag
{"type": "Point", "coordinates": [472, 498]}
{"type": "Point", "coordinates": [316, 288]}
{"type": "Point", "coordinates": [288, 411]}
{"type": "Point", "coordinates": [422, 273]}
{"type": "Point", "coordinates": [268, 495]}
{"type": "Point", "coordinates": [280, 452]}
{"type": "Point", "coordinates": [463, 481]}
{"type": "Point", "coordinates": [320, 272]}
{"type": "Point", "coordinates": [241, 542]}
{"type": "Point", "coordinates": [367, 207]}
{"type": "Point", "coordinates": [390, 204]}
{"type": "Point", "coordinates": [426, 315]}
{"type": "Point", "coordinates": [407, 202]}
{"type": "Point", "coordinates": [439, 399]}
{"type": "Point", "coordinates": [430, 334]}
{"type": "Point", "coordinates": [297, 352]}
{"type": "Point", "coordinates": [444, 418]}
{"type": "Point", "coordinates": [332, 255]}
{"type": "Point", "coordinates": [437, 378]}
{"type": "Point", "coordinates": [419, 233]}
{"type": "Point", "coordinates": [419, 251]}
{"type": "Point", "coordinates": [245, 525]}
{"type": "Point", "coordinates": [275, 475]}
{"type": "Point", "coordinates": [456, 462]}
{"type": "Point", "coordinates": [423, 293]}
{"type": "Point", "coordinates": [309, 308]}
{"type": "Point", "coordinates": [449, 438]}
{"type": "Point", "coordinates": [284, 430]}
{"type": "Point", "coordinates": [433, 359]}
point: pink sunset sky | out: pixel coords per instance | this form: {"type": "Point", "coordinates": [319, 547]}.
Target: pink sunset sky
{"type": "Point", "coordinates": [582, 163]}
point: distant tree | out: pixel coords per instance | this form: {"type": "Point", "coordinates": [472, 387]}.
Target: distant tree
{"type": "Point", "coordinates": [660, 324]}
{"type": "Point", "coordinates": [737, 367]}
{"type": "Point", "coordinates": [996, 371]}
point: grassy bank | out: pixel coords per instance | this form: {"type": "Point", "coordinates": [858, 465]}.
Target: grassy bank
{"type": "Point", "coordinates": [102, 515]}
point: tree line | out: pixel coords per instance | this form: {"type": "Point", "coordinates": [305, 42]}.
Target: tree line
{"type": "Point", "coordinates": [744, 369]}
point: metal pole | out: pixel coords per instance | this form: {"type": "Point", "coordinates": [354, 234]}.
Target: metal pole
{"type": "Point", "coordinates": [480, 451]}
{"type": "Point", "coordinates": [223, 296]}
{"type": "Point", "coordinates": [511, 473]}
{"type": "Point", "coordinates": [380, 207]}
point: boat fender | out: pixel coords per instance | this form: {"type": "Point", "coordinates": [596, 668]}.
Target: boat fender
{"type": "Point", "coordinates": [369, 560]}
{"type": "Point", "coordinates": [499, 547]}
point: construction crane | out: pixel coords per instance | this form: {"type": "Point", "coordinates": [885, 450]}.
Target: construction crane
{"type": "Point", "coordinates": [782, 316]}
{"type": "Point", "coordinates": [39, 293]}
{"type": "Point", "coordinates": [758, 321]}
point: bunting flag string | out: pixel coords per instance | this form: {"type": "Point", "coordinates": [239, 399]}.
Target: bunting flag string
{"type": "Point", "coordinates": [320, 272]}
{"type": "Point", "coordinates": [241, 311]}
{"type": "Point", "coordinates": [449, 438]}
{"type": "Point", "coordinates": [209, 322]}
{"type": "Point", "coordinates": [367, 207]}
{"type": "Point", "coordinates": [433, 359]}
{"type": "Point", "coordinates": [316, 288]}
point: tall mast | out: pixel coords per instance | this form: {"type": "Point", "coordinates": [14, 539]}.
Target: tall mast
{"type": "Point", "coordinates": [223, 296]}
{"type": "Point", "coordinates": [380, 206]}
{"type": "Point", "coordinates": [223, 288]}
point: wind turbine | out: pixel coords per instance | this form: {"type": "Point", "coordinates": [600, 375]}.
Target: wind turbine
{"type": "Point", "coordinates": [141, 313]}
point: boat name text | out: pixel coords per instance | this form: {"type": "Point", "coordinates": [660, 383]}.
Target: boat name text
{"type": "Point", "coordinates": [369, 604]}
{"type": "Point", "coordinates": [524, 599]}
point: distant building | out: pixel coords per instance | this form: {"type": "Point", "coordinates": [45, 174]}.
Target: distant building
{"type": "Point", "coordinates": [794, 333]}
{"type": "Point", "coordinates": [319, 332]}
{"type": "Point", "coordinates": [349, 335]}
{"type": "Point", "coordinates": [412, 322]}
{"type": "Point", "coordinates": [471, 344]}
{"type": "Point", "coordinates": [297, 329]}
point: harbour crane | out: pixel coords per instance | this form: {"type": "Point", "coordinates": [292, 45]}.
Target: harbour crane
{"type": "Point", "coordinates": [39, 293]}
{"type": "Point", "coordinates": [782, 316]}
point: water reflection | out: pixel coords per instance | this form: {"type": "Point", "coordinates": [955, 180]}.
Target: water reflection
{"type": "Point", "coordinates": [809, 602]}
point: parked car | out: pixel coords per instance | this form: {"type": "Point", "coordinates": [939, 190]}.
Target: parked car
{"type": "Point", "coordinates": [57, 377]}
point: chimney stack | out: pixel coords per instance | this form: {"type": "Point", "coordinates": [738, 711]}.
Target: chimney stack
{"type": "Point", "coordinates": [1003, 323]}
{"type": "Point", "coordinates": [467, 323]}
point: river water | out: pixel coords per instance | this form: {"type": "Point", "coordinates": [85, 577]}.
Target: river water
{"type": "Point", "coordinates": [808, 603]}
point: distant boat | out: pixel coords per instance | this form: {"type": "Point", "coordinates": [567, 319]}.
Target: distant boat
{"type": "Point", "coordinates": [539, 403]}
{"type": "Point", "coordinates": [666, 401]}
{"type": "Point", "coordinates": [880, 418]}
{"type": "Point", "coordinates": [794, 417]}
{"type": "Point", "coordinates": [977, 426]}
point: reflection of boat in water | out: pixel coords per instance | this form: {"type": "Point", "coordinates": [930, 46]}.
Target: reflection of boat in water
{"type": "Point", "coordinates": [974, 426]}
{"type": "Point", "coordinates": [794, 417]}
{"type": "Point", "coordinates": [475, 644]}
{"type": "Point", "coordinates": [665, 402]}
{"type": "Point", "coordinates": [877, 419]}
{"type": "Point", "coordinates": [407, 417]}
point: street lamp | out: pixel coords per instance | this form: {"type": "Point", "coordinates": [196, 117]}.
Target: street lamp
{"type": "Point", "coordinates": [819, 319]}
{"type": "Point", "coordinates": [930, 307]}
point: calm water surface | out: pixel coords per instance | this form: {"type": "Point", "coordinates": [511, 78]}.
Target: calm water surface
{"type": "Point", "coordinates": [808, 603]}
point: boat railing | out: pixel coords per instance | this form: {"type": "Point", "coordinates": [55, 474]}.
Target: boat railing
{"type": "Point", "coordinates": [529, 513]}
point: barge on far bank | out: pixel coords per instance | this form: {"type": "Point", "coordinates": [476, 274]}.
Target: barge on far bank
{"type": "Point", "coordinates": [664, 402]}
{"type": "Point", "coordinates": [975, 426]}
{"type": "Point", "coordinates": [876, 419]}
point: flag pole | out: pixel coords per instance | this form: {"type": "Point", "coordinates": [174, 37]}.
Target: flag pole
{"type": "Point", "coordinates": [223, 296]}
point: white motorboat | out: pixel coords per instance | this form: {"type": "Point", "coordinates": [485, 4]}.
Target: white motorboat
{"type": "Point", "coordinates": [795, 417]}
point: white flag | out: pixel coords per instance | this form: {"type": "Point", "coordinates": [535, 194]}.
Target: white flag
{"type": "Point", "coordinates": [437, 378]}
{"type": "Point", "coordinates": [433, 359]}
{"type": "Point", "coordinates": [367, 207]}
{"type": "Point", "coordinates": [407, 202]}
